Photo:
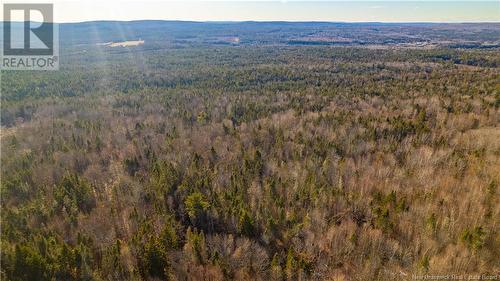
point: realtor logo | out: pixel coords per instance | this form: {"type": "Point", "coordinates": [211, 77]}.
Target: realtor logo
{"type": "Point", "coordinates": [29, 37]}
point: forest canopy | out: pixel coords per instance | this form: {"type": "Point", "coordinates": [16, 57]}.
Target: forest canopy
{"type": "Point", "coordinates": [252, 162]}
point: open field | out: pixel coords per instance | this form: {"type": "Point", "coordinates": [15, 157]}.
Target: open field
{"type": "Point", "coordinates": [125, 43]}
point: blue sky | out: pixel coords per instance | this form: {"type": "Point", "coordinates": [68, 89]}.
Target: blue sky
{"type": "Point", "coordinates": [238, 10]}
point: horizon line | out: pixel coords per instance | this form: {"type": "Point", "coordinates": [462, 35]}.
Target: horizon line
{"type": "Point", "coordinates": [265, 21]}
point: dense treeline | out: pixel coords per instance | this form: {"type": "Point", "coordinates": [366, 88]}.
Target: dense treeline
{"type": "Point", "coordinates": [252, 163]}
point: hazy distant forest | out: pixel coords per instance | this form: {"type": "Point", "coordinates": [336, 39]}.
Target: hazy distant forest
{"type": "Point", "coordinates": [254, 152]}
